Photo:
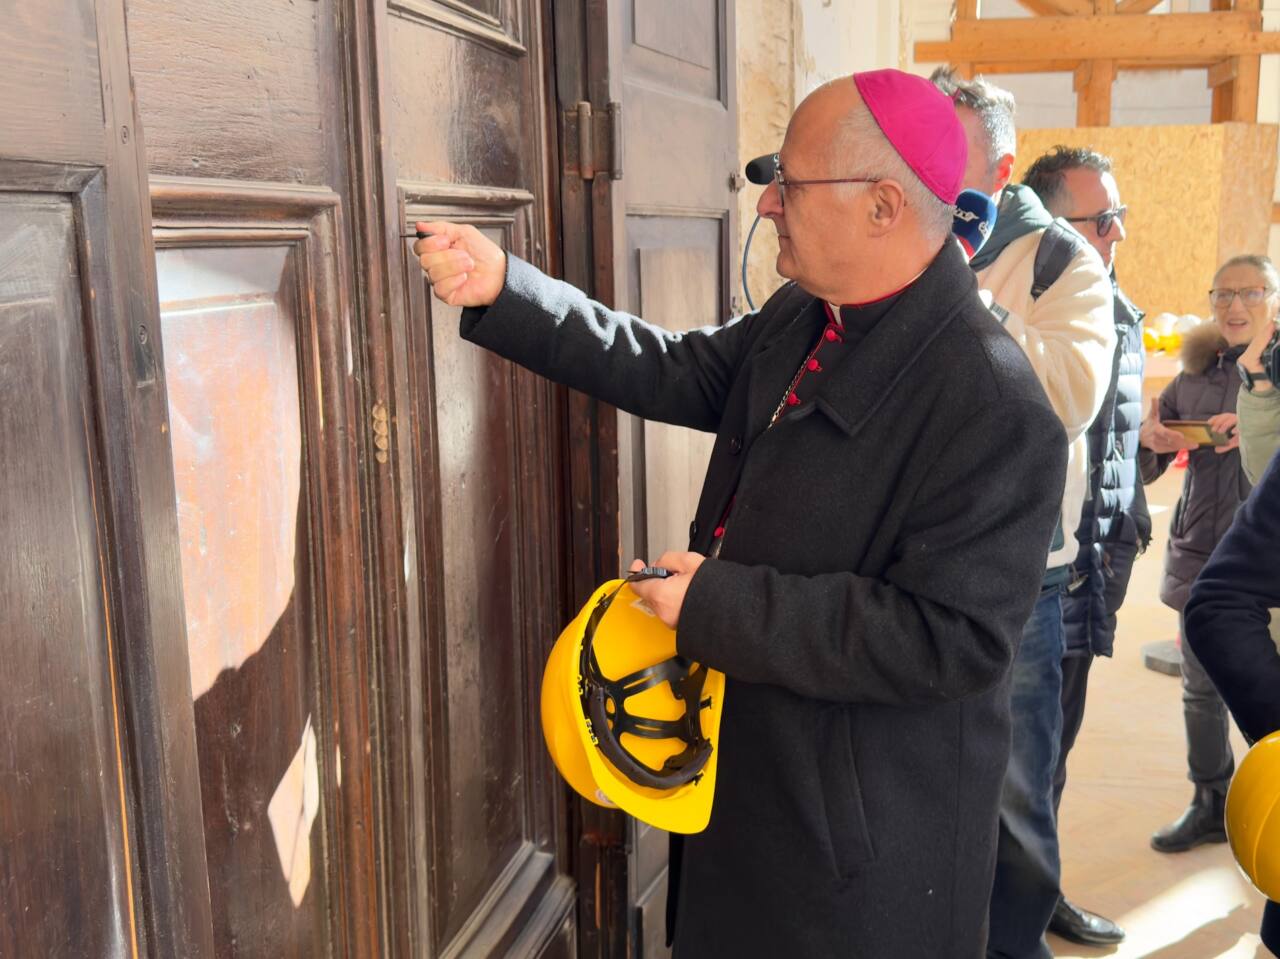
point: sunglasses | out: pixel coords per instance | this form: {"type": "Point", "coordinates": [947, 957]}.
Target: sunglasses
{"type": "Point", "coordinates": [1102, 221]}
{"type": "Point", "coordinates": [765, 168]}
{"type": "Point", "coordinates": [1249, 296]}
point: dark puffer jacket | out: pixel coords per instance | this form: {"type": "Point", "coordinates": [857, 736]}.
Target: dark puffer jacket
{"type": "Point", "coordinates": [1215, 485]}
{"type": "Point", "coordinates": [1115, 525]}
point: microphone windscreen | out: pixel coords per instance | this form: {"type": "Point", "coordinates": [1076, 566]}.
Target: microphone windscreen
{"type": "Point", "coordinates": [972, 220]}
{"type": "Point", "coordinates": [760, 170]}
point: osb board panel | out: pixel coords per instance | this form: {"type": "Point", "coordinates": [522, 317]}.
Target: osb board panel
{"type": "Point", "coordinates": [1195, 195]}
{"type": "Point", "coordinates": [1248, 173]}
{"type": "Point", "coordinates": [1171, 180]}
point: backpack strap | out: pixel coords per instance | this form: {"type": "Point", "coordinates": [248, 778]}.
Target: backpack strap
{"type": "Point", "coordinates": [1059, 245]}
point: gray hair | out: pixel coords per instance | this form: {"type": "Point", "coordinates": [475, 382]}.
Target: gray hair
{"type": "Point", "coordinates": [1260, 263]}
{"type": "Point", "coordinates": [1047, 176]}
{"type": "Point", "coordinates": [994, 106]}
{"type": "Point", "coordinates": [858, 136]}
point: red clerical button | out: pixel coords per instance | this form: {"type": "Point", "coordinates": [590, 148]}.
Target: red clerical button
{"type": "Point", "coordinates": [719, 532]}
{"type": "Point", "coordinates": [832, 335]}
{"type": "Point", "coordinates": [812, 366]}
{"type": "Point", "coordinates": [793, 400]}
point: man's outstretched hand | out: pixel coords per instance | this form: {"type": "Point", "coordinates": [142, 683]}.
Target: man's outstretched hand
{"type": "Point", "coordinates": [463, 266]}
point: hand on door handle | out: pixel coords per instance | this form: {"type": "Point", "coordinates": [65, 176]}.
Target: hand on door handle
{"type": "Point", "coordinates": [463, 266]}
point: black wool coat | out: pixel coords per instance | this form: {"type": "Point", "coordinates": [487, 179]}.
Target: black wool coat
{"type": "Point", "coordinates": [1215, 483]}
{"type": "Point", "coordinates": [885, 548]}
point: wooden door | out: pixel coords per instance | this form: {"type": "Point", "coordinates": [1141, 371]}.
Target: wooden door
{"type": "Point", "coordinates": [371, 518]}
{"type": "Point", "coordinates": [97, 761]}
{"type": "Point", "coordinates": [464, 90]}
{"type": "Point", "coordinates": [673, 244]}
{"type": "Point", "coordinates": [264, 360]}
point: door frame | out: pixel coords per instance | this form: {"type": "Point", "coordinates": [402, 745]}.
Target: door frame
{"type": "Point", "coordinates": [170, 883]}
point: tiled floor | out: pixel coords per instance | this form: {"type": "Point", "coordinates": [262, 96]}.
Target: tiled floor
{"type": "Point", "coordinates": [1127, 776]}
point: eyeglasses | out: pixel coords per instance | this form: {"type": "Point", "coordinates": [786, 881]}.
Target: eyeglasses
{"type": "Point", "coordinates": [782, 181]}
{"type": "Point", "coordinates": [1249, 296]}
{"type": "Point", "coordinates": [1102, 220]}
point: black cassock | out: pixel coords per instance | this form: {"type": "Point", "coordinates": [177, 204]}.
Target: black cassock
{"type": "Point", "coordinates": [884, 548]}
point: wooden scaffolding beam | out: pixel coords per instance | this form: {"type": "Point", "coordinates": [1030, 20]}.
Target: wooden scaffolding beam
{"type": "Point", "coordinates": [1094, 39]}
{"type": "Point", "coordinates": [1205, 36]}
{"type": "Point", "coordinates": [1093, 81]}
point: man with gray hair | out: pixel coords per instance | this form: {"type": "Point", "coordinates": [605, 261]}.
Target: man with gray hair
{"type": "Point", "coordinates": [1050, 290]}
{"type": "Point", "coordinates": [884, 483]}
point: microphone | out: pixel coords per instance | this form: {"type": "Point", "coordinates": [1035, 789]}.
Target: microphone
{"type": "Point", "coordinates": [972, 220]}
{"type": "Point", "coordinates": [760, 171]}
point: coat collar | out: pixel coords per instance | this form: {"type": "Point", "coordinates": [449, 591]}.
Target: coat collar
{"type": "Point", "coordinates": [867, 376]}
{"type": "Point", "coordinates": [858, 386]}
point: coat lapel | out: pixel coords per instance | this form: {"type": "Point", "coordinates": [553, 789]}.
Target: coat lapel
{"type": "Point", "coordinates": [865, 378]}
{"type": "Point", "coordinates": [773, 367]}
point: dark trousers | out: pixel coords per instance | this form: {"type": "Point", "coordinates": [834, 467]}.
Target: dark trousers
{"type": "Point", "coordinates": [1209, 758]}
{"type": "Point", "coordinates": [1075, 683]}
{"type": "Point", "coordinates": [1027, 863]}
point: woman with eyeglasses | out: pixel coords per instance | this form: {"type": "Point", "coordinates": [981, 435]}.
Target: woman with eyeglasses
{"type": "Point", "coordinates": [1231, 616]}
{"type": "Point", "coordinates": [1244, 302]}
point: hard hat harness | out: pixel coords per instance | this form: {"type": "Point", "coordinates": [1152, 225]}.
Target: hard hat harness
{"type": "Point", "coordinates": [604, 703]}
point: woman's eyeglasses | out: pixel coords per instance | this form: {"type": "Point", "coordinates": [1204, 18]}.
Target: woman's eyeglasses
{"type": "Point", "coordinates": [1102, 221]}
{"type": "Point", "coordinates": [1249, 296]}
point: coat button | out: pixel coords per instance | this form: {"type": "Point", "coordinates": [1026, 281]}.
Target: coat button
{"type": "Point", "coordinates": [812, 366]}
{"type": "Point", "coordinates": [693, 530]}
{"type": "Point", "coordinates": [793, 400]}
{"type": "Point", "coordinates": [831, 335]}
{"type": "Point", "coordinates": [735, 445]}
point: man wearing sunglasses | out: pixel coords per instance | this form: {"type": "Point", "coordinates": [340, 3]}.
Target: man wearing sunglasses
{"type": "Point", "coordinates": [1077, 184]}
{"type": "Point", "coordinates": [883, 488]}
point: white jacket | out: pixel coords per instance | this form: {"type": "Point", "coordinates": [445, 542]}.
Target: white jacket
{"type": "Point", "coordinates": [1069, 335]}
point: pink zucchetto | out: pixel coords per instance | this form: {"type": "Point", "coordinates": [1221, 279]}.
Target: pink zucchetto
{"type": "Point", "coordinates": [921, 123]}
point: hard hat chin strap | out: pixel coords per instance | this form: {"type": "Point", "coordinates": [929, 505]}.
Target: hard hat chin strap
{"type": "Point", "coordinates": [604, 702]}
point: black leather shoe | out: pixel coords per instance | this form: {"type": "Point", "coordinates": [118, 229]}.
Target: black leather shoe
{"type": "Point", "coordinates": [1203, 821]}
{"type": "Point", "coordinates": [1079, 925]}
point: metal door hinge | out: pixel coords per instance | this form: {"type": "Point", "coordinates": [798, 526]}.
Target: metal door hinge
{"type": "Point", "coordinates": [591, 141]}
{"type": "Point", "coordinates": [381, 432]}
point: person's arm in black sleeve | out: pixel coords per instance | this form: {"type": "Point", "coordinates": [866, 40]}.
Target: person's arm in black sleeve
{"type": "Point", "coordinates": [1228, 614]}
{"type": "Point", "coordinates": [556, 330]}
{"type": "Point", "coordinates": [944, 619]}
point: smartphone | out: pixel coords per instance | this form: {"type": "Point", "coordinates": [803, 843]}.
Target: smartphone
{"type": "Point", "coordinates": [1198, 432]}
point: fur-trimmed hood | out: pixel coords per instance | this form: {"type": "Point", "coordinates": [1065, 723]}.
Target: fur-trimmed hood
{"type": "Point", "coordinates": [1201, 347]}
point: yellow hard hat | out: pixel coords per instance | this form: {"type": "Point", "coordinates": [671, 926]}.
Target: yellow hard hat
{"type": "Point", "coordinates": [1253, 815]}
{"type": "Point", "coordinates": [628, 722]}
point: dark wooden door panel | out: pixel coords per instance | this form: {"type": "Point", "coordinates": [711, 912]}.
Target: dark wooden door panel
{"type": "Point", "coordinates": [256, 366]}
{"type": "Point", "coordinates": [489, 547]}
{"type": "Point", "coordinates": [51, 69]}
{"type": "Point", "coordinates": [95, 710]}
{"type": "Point", "coordinates": [243, 89]}
{"type": "Point", "coordinates": [230, 318]}
{"type": "Point", "coordinates": [255, 113]}
{"type": "Point", "coordinates": [64, 864]}
{"type": "Point", "coordinates": [675, 234]}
